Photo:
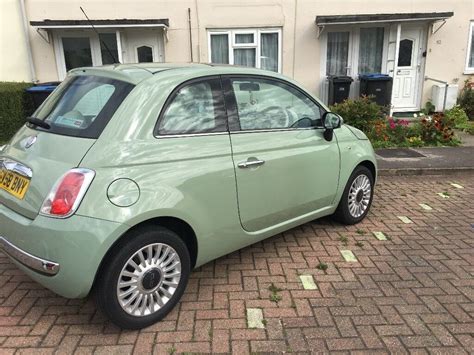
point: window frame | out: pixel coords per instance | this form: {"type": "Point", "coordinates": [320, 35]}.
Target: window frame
{"type": "Point", "coordinates": [467, 68]}
{"type": "Point", "coordinates": [221, 116]}
{"type": "Point", "coordinates": [94, 42]}
{"type": "Point", "coordinates": [231, 33]}
{"type": "Point", "coordinates": [231, 103]}
{"type": "Point", "coordinates": [354, 44]}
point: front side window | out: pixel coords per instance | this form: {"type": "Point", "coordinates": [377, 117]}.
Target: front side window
{"type": "Point", "coordinates": [250, 48]}
{"type": "Point", "coordinates": [269, 104]}
{"type": "Point", "coordinates": [194, 108]}
{"type": "Point", "coordinates": [371, 50]}
{"type": "Point", "coordinates": [83, 105]}
{"type": "Point", "coordinates": [470, 51]}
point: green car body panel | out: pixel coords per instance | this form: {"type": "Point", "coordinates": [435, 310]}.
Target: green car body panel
{"type": "Point", "coordinates": [191, 178]}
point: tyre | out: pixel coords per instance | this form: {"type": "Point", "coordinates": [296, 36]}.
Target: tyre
{"type": "Point", "coordinates": [357, 197]}
{"type": "Point", "coordinates": [144, 277]}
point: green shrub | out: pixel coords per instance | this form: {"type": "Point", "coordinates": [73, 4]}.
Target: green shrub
{"type": "Point", "coordinates": [429, 108]}
{"type": "Point", "coordinates": [466, 99]}
{"type": "Point", "coordinates": [361, 113]}
{"type": "Point", "coordinates": [457, 116]}
{"type": "Point", "coordinates": [467, 127]}
{"type": "Point", "coordinates": [15, 106]}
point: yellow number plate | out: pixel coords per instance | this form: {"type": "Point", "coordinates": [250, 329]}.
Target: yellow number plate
{"type": "Point", "coordinates": [14, 183]}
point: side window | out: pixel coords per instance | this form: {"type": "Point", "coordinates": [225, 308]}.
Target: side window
{"type": "Point", "coordinates": [194, 108]}
{"type": "Point", "coordinates": [271, 104]}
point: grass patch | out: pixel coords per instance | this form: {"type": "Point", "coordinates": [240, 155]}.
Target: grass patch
{"type": "Point", "coordinates": [322, 266]}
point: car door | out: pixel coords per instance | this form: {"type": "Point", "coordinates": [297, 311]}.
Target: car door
{"type": "Point", "coordinates": [284, 167]}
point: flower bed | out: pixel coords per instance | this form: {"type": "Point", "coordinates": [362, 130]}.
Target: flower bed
{"type": "Point", "coordinates": [386, 132]}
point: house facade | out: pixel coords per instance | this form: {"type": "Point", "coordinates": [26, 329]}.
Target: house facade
{"type": "Point", "coordinates": [308, 40]}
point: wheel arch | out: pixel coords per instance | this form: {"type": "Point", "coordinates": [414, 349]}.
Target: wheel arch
{"type": "Point", "coordinates": [177, 225]}
{"type": "Point", "coordinates": [369, 165]}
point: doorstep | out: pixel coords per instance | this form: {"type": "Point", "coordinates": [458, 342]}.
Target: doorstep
{"type": "Point", "coordinates": [418, 161]}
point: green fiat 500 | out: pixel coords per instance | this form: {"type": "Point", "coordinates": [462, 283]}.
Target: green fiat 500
{"type": "Point", "coordinates": [129, 176]}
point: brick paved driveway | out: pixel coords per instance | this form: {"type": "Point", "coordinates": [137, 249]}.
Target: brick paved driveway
{"type": "Point", "coordinates": [412, 291]}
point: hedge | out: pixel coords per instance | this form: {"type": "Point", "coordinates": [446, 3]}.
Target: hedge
{"type": "Point", "coordinates": [15, 106]}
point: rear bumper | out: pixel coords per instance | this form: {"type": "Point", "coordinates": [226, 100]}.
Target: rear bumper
{"type": "Point", "coordinates": [40, 265]}
{"type": "Point", "coordinates": [72, 249]}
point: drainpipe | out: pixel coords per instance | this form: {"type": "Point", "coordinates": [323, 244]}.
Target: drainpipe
{"type": "Point", "coordinates": [190, 35]}
{"type": "Point", "coordinates": [27, 42]}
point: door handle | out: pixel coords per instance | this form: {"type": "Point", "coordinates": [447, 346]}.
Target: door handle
{"type": "Point", "coordinates": [250, 163]}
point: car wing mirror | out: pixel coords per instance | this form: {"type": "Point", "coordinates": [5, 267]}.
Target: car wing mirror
{"type": "Point", "coordinates": [331, 121]}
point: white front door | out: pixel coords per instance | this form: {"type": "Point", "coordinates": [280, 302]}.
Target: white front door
{"type": "Point", "coordinates": [408, 70]}
{"type": "Point", "coordinates": [142, 46]}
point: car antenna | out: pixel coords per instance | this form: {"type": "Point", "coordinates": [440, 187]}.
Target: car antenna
{"type": "Point", "coordinates": [101, 41]}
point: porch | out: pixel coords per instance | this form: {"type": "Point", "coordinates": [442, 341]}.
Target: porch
{"type": "Point", "coordinates": [80, 43]}
{"type": "Point", "coordinates": [394, 44]}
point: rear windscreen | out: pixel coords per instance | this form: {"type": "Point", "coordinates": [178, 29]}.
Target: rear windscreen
{"type": "Point", "coordinates": [82, 105]}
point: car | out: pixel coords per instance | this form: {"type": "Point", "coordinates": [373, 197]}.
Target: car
{"type": "Point", "coordinates": [130, 176]}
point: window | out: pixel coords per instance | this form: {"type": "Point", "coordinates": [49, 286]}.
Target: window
{"type": "Point", "coordinates": [83, 105]}
{"type": "Point", "coordinates": [75, 48]}
{"type": "Point", "coordinates": [145, 54]}
{"type": "Point", "coordinates": [470, 51]}
{"type": "Point", "coordinates": [77, 52]}
{"type": "Point", "coordinates": [251, 48]}
{"type": "Point", "coordinates": [337, 53]}
{"type": "Point", "coordinates": [108, 40]}
{"type": "Point", "coordinates": [371, 50]}
{"type": "Point", "coordinates": [220, 48]}
{"type": "Point", "coordinates": [194, 108]}
{"type": "Point", "coordinates": [405, 53]}
{"type": "Point", "coordinates": [270, 104]}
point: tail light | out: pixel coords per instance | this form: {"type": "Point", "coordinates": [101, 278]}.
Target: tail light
{"type": "Point", "coordinates": [66, 195]}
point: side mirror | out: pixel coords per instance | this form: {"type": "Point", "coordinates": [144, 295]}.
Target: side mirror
{"type": "Point", "coordinates": [331, 121]}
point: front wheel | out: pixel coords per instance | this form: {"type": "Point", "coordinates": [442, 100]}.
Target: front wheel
{"type": "Point", "coordinates": [357, 197]}
{"type": "Point", "coordinates": [144, 279]}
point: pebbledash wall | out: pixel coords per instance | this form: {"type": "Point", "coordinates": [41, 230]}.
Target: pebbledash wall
{"type": "Point", "coordinates": [301, 49]}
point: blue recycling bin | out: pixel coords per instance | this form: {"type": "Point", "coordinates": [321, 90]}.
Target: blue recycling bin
{"type": "Point", "coordinates": [377, 85]}
{"type": "Point", "coordinates": [40, 92]}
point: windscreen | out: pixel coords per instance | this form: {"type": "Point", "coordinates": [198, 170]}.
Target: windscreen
{"type": "Point", "coordinates": [82, 105]}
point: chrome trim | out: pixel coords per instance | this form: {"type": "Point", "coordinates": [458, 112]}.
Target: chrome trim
{"type": "Point", "coordinates": [33, 262]}
{"type": "Point", "coordinates": [190, 135]}
{"type": "Point", "coordinates": [167, 136]}
{"type": "Point", "coordinates": [250, 163]}
{"type": "Point", "coordinates": [16, 167]}
{"type": "Point", "coordinates": [277, 130]}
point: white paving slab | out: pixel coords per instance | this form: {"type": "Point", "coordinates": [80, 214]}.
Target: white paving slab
{"type": "Point", "coordinates": [425, 206]}
{"type": "Point", "coordinates": [405, 219]}
{"type": "Point", "coordinates": [380, 235]}
{"type": "Point", "coordinates": [308, 282]}
{"type": "Point", "coordinates": [348, 256]}
{"type": "Point", "coordinates": [255, 318]}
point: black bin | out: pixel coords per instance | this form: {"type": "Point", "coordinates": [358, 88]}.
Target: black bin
{"type": "Point", "coordinates": [379, 86]}
{"type": "Point", "coordinates": [339, 88]}
{"type": "Point", "coordinates": [40, 92]}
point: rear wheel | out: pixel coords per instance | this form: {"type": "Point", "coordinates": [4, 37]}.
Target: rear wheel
{"type": "Point", "coordinates": [144, 279]}
{"type": "Point", "coordinates": [357, 197]}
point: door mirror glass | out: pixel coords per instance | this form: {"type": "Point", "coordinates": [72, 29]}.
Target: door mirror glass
{"type": "Point", "coordinates": [332, 120]}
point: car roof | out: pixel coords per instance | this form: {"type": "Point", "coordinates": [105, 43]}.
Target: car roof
{"type": "Point", "coordinates": [135, 73]}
